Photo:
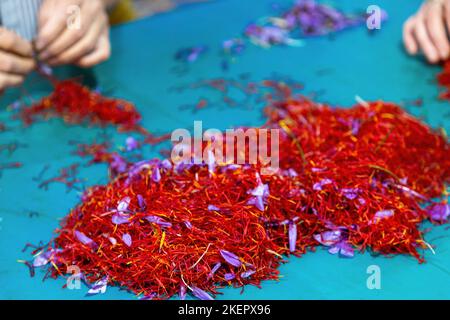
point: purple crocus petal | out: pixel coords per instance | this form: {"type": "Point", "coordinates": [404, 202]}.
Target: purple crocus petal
{"type": "Point", "coordinates": [292, 236]}
{"type": "Point", "coordinates": [216, 267]}
{"type": "Point", "coordinates": [159, 221]}
{"type": "Point", "coordinates": [98, 287]}
{"type": "Point", "coordinates": [84, 239]}
{"type": "Point", "coordinates": [131, 144]}
{"type": "Point", "coordinates": [40, 261]}
{"type": "Point", "coordinates": [166, 164]}
{"type": "Point", "coordinates": [334, 250]}
{"type": "Point", "coordinates": [141, 202]}
{"type": "Point", "coordinates": [247, 273]}
{"type": "Point", "coordinates": [262, 190]}
{"type": "Point", "coordinates": [45, 69]}
{"type": "Point", "coordinates": [349, 193]}
{"type": "Point", "coordinates": [188, 224]}
{"type": "Point", "coordinates": [118, 164]}
{"type": "Point", "coordinates": [127, 239]}
{"type": "Point", "coordinates": [318, 185]}
{"type": "Point", "coordinates": [156, 175]}
{"type": "Point", "coordinates": [212, 207]}
{"type": "Point", "coordinates": [383, 214]}
{"type": "Point", "coordinates": [346, 250]}
{"type": "Point", "coordinates": [328, 238]}
{"type": "Point", "coordinates": [230, 167]}
{"type": "Point", "coordinates": [199, 293]}
{"type": "Point", "coordinates": [182, 293]}
{"type": "Point", "coordinates": [119, 218]}
{"type": "Point", "coordinates": [123, 204]}
{"type": "Point", "coordinates": [439, 212]}
{"type": "Point", "coordinates": [231, 258]}
{"type": "Point", "coordinates": [258, 202]}
{"type": "Point", "coordinates": [150, 296]}
{"type": "Point", "coordinates": [292, 173]}
{"type": "Point", "coordinates": [229, 276]}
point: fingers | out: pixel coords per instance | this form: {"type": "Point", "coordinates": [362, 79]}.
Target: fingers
{"type": "Point", "coordinates": [446, 15]}
{"type": "Point", "coordinates": [427, 31]}
{"type": "Point", "coordinates": [424, 40]}
{"type": "Point", "coordinates": [49, 28]}
{"type": "Point", "coordinates": [15, 59]}
{"type": "Point", "coordinates": [101, 53]}
{"type": "Point", "coordinates": [436, 27]}
{"type": "Point", "coordinates": [9, 80]}
{"type": "Point", "coordinates": [408, 36]}
{"type": "Point", "coordinates": [11, 63]}
{"type": "Point", "coordinates": [84, 46]}
{"type": "Point", "coordinates": [11, 42]}
{"type": "Point", "coordinates": [70, 36]}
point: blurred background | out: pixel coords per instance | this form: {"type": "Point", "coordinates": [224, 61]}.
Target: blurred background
{"type": "Point", "coordinates": [128, 10]}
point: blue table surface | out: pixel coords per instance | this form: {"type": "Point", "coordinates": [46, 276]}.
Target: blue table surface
{"type": "Point", "coordinates": [141, 70]}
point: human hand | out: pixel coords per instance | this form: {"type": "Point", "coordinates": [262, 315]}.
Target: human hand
{"type": "Point", "coordinates": [85, 46]}
{"type": "Point", "coordinates": [427, 31]}
{"type": "Point", "coordinates": [16, 59]}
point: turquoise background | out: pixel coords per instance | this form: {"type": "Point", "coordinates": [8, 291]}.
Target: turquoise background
{"type": "Point", "coordinates": [354, 62]}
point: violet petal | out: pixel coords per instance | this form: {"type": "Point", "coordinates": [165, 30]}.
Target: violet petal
{"type": "Point", "coordinates": [199, 293]}
{"type": "Point", "coordinates": [231, 258]}
{"type": "Point", "coordinates": [292, 236]}
{"type": "Point", "coordinates": [127, 239]}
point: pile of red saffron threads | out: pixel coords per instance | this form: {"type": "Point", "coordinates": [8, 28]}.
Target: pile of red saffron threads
{"type": "Point", "coordinates": [75, 104]}
{"type": "Point", "coordinates": [361, 178]}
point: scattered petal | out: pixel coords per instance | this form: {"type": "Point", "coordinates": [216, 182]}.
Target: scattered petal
{"type": "Point", "coordinates": [127, 239]}
{"type": "Point", "coordinates": [199, 293]}
{"type": "Point", "coordinates": [231, 258]}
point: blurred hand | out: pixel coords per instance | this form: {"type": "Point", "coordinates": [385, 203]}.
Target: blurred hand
{"type": "Point", "coordinates": [86, 46]}
{"type": "Point", "coordinates": [16, 59]}
{"type": "Point", "coordinates": [427, 31]}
